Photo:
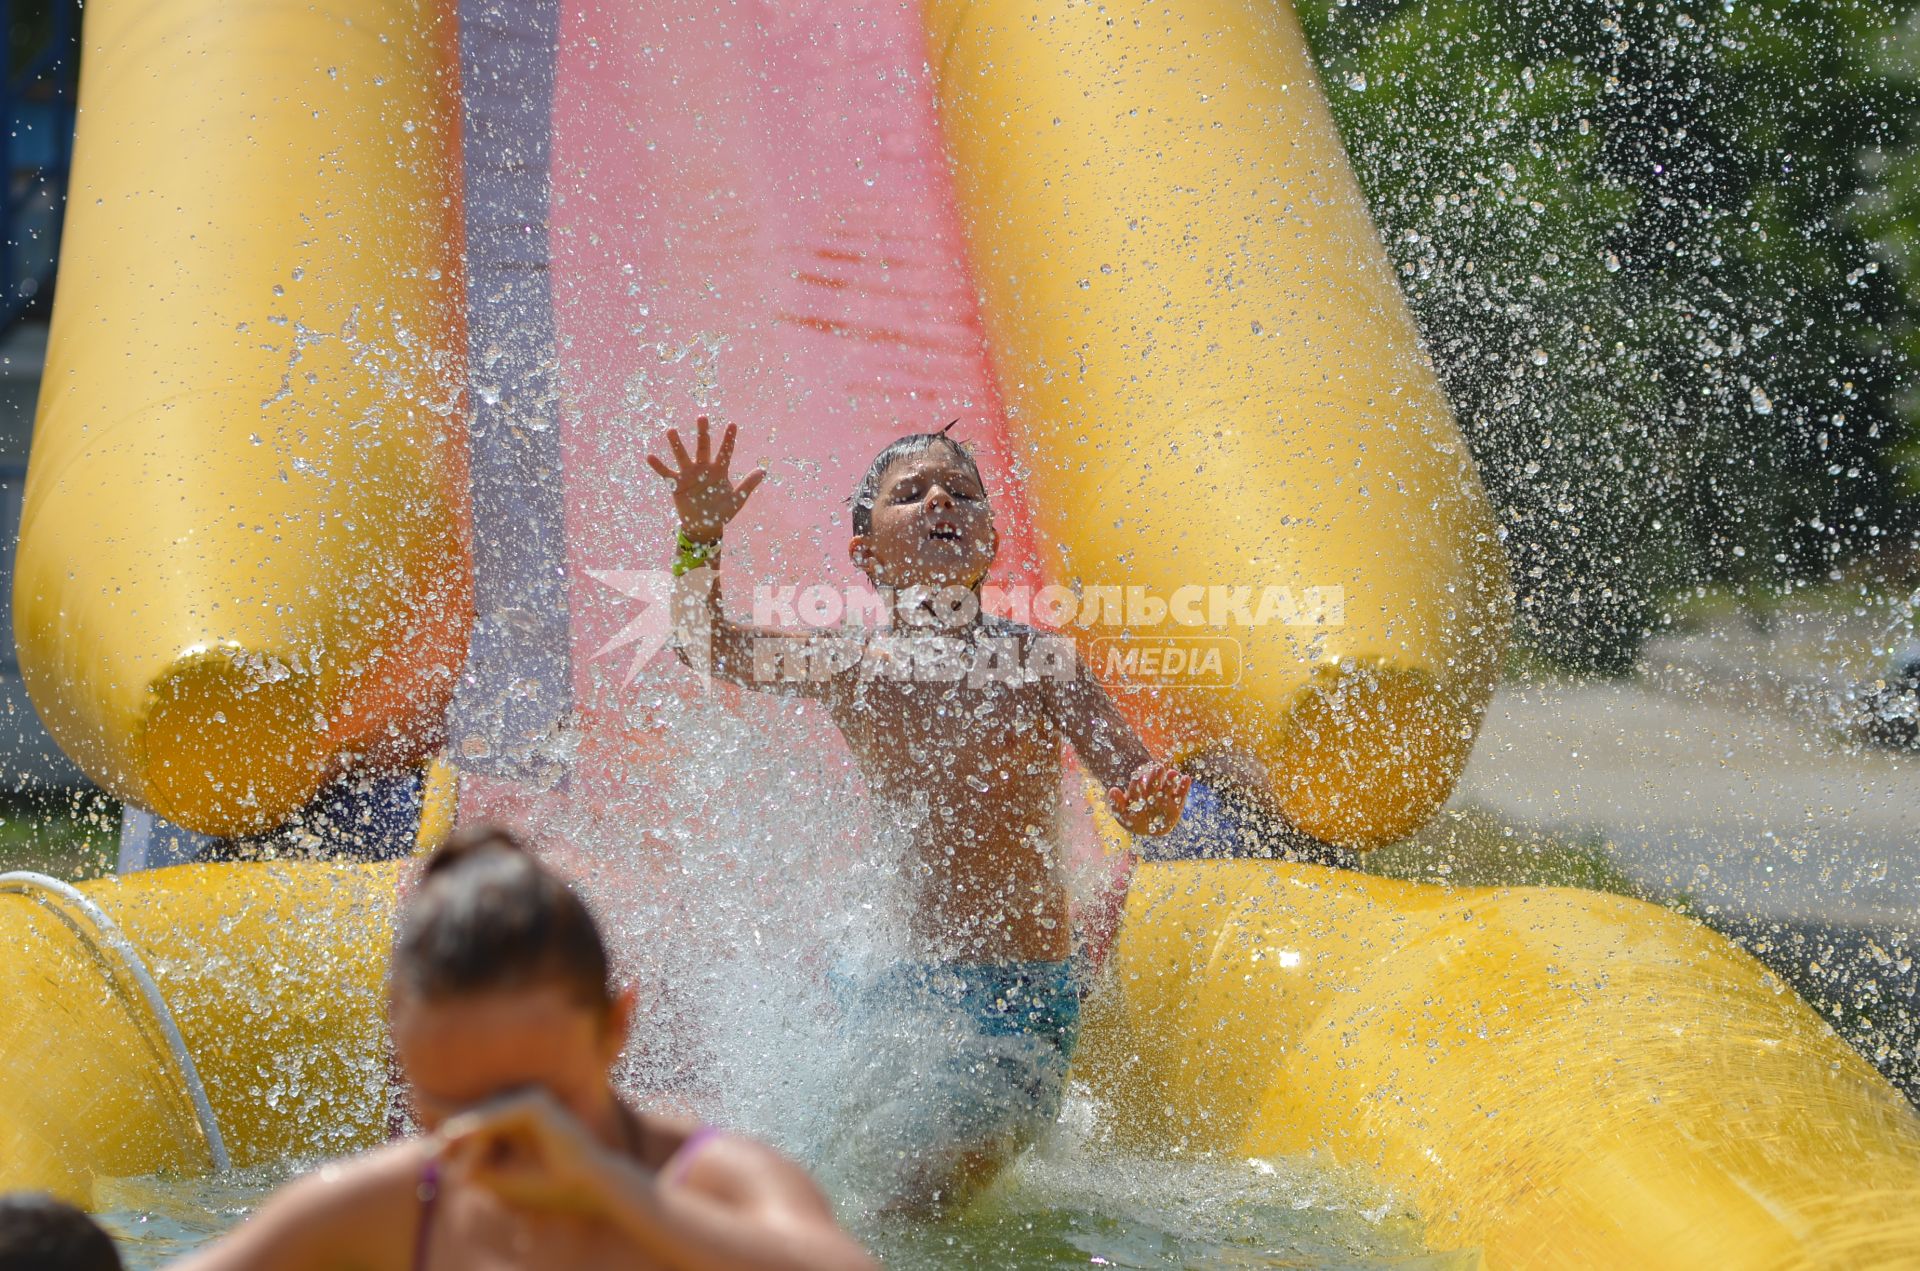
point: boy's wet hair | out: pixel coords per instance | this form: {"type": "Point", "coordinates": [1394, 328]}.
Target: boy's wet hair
{"type": "Point", "coordinates": [40, 1233]}
{"type": "Point", "coordinates": [487, 916]}
{"type": "Point", "coordinates": [904, 448]}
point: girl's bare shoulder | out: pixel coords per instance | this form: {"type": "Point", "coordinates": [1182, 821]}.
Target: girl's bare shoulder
{"type": "Point", "coordinates": [353, 1210]}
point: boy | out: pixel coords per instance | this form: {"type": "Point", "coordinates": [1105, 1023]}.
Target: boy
{"type": "Point", "coordinates": [955, 719]}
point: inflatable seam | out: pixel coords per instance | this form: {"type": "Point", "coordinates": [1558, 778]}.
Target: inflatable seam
{"type": "Point", "coordinates": [28, 884]}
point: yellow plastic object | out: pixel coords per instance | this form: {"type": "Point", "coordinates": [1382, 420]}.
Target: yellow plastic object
{"type": "Point", "coordinates": [274, 974]}
{"type": "Point", "coordinates": [1219, 384]}
{"type": "Point", "coordinates": [439, 802]}
{"type": "Point", "coordinates": [1556, 1078]}
{"type": "Point", "coordinates": [1559, 1078]}
{"type": "Point", "coordinates": [243, 553]}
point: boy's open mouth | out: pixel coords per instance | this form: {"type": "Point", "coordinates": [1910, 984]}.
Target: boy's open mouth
{"type": "Point", "coordinates": [945, 533]}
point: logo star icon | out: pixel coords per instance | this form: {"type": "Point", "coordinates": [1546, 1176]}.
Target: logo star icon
{"type": "Point", "coordinates": [649, 629]}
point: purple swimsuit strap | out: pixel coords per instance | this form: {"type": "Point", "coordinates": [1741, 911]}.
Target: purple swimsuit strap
{"type": "Point", "coordinates": [675, 1170]}
{"type": "Point", "coordinates": [429, 1197]}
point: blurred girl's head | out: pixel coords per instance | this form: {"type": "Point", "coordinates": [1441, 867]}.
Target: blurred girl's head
{"type": "Point", "coordinates": [501, 982]}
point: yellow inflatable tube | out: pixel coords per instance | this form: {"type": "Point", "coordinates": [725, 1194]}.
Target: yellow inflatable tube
{"type": "Point", "coordinates": [1220, 385]}
{"type": "Point", "coordinates": [1558, 1078]}
{"type": "Point", "coordinates": [1555, 1078]}
{"type": "Point", "coordinates": [273, 979]}
{"type": "Point", "coordinates": [243, 552]}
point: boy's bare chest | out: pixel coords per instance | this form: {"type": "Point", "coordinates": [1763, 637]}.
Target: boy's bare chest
{"type": "Point", "coordinates": [890, 720]}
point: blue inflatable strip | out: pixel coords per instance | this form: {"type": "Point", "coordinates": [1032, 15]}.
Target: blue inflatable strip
{"type": "Point", "coordinates": [365, 817]}
{"type": "Point", "coordinates": [1218, 825]}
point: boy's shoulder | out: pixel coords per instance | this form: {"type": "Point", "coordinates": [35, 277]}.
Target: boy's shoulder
{"type": "Point", "coordinates": [852, 630]}
{"type": "Point", "coordinates": [994, 624]}
{"type": "Point", "coordinates": [1048, 656]}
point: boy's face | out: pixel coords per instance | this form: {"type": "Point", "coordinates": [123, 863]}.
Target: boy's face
{"type": "Point", "coordinates": [932, 526]}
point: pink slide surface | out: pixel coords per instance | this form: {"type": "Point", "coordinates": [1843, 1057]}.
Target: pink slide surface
{"type": "Point", "coordinates": [751, 217]}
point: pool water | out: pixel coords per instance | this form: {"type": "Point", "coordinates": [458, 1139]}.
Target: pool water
{"type": "Point", "coordinates": [1064, 1207]}
{"type": "Point", "coordinates": [1065, 1204]}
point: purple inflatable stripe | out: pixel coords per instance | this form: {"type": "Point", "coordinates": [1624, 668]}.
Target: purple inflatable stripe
{"type": "Point", "coordinates": [517, 688]}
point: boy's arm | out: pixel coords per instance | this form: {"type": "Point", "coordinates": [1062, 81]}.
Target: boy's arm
{"type": "Point", "coordinates": [795, 663]}
{"type": "Point", "coordinates": [1146, 795]}
{"type": "Point", "coordinates": [792, 663]}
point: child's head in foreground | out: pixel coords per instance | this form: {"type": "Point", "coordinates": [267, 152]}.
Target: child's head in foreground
{"type": "Point", "coordinates": [921, 517]}
{"type": "Point", "coordinates": [501, 982]}
{"type": "Point", "coordinates": [39, 1233]}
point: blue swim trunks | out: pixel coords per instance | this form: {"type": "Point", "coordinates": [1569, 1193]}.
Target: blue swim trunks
{"type": "Point", "coordinates": [1040, 1000]}
{"type": "Point", "coordinates": [956, 1062]}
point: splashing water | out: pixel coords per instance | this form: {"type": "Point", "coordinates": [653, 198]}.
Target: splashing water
{"type": "Point", "coordinates": [1071, 1202]}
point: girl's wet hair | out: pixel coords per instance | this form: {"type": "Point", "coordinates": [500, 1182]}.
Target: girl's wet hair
{"type": "Point", "coordinates": [904, 448]}
{"type": "Point", "coordinates": [487, 916]}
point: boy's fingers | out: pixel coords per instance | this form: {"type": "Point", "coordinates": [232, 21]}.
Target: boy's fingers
{"type": "Point", "coordinates": [751, 483]}
{"type": "Point", "coordinates": [659, 465]}
{"type": "Point", "coordinates": [725, 456]}
{"type": "Point", "coordinates": [702, 442]}
{"type": "Point", "coordinates": [679, 448]}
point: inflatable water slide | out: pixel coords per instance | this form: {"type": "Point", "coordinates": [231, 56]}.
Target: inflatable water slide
{"type": "Point", "coordinates": [368, 311]}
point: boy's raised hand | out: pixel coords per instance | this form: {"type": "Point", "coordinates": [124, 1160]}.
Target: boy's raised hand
{"type": "Point", "coordinates": [703, 491]}
{"type": "Point", "coordinates": [1152, 800]}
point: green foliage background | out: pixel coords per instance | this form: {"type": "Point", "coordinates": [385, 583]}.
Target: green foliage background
{"type": "Point", "coordinates": [1664, 257]}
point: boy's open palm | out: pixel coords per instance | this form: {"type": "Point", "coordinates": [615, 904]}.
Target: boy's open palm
{"type": "Point", "coordinates": [703, 491]}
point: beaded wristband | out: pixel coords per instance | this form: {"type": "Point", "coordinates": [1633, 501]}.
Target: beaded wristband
{"type": "Point", "coordinates": [693, 555]}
